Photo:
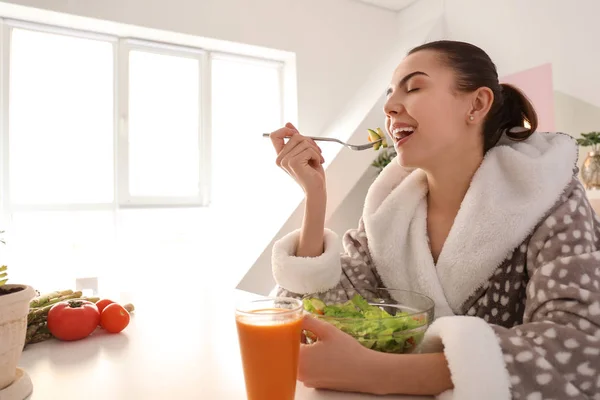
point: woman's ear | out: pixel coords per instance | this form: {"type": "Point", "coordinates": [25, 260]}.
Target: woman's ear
{"type": "Point", "coordinates": [482, 100]}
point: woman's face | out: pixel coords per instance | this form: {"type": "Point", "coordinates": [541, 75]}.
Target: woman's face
{"type": "Point", "coordinates": [427, 119]}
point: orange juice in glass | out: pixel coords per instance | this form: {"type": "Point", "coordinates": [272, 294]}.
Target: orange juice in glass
{"type": "Point", "coordinates": [269, 332]}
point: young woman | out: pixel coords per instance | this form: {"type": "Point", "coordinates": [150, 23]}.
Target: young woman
{"type": "Point", "coordinates": [477, 212]}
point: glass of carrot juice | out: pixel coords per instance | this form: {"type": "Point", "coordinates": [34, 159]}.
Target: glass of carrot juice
{"type": "Point", "coordinates": [269, 332]}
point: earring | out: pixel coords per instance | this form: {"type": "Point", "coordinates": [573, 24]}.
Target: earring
{"type": "Point", "coordinates": [471, 118]}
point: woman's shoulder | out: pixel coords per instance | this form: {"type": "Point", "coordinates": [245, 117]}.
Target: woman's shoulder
{"type": "Point", "coordinates": [573, 197]}
{"type": "Point", "coordinates": [573, 211]}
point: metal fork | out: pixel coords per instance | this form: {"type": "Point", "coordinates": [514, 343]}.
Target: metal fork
{"type": "Point", "coordinates": [356, 147]}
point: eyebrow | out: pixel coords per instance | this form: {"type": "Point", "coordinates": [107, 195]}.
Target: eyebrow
{"type": "Point", "coordinates": [404, 80]}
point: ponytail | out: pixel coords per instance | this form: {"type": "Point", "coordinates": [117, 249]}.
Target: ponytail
{"type": "Point", "coordinates": [516, 110]}
{"type": "Point", "coordinates": [508, 116]}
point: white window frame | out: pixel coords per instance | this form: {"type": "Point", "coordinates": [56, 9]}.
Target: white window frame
{"type": "Point", "coordinates": [121, 48]}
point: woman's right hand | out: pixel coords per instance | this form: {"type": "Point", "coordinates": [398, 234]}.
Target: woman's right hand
{"type": "Point", "coordinates": [301, 158]}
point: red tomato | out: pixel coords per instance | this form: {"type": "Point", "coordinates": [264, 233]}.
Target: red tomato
{"type": "Point", "coordinates": [102, 304]}
{"type": "Point", "coordinates": [114, 318]}
{"type": "Point", "coordinates": [73, 319]}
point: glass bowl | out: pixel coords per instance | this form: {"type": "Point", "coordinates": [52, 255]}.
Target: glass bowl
{"type": "Point", "coordinates": [386, 320]}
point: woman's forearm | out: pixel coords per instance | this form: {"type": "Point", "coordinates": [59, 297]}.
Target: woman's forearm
{"type": "Point", "coordinates": [313, 225]}
{"type": "Point", "coordinates": [411, 374]}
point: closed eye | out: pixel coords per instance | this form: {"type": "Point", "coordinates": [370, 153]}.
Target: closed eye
{"type": "Point", "coordinates": [412, 90]}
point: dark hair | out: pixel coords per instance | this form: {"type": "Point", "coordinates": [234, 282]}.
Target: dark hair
{"type": "Point", "coordinates": [475, 69]}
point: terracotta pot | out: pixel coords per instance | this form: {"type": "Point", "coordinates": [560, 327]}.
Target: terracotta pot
{"type": "Point", "coordinates": [14, 308]}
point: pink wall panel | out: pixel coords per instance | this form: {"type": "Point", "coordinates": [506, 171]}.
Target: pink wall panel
{"type": "Point", "coordinates": [536, 83]}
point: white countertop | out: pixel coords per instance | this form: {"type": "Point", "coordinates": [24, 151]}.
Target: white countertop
{"type": "Point", "coordinates": [174, 348]}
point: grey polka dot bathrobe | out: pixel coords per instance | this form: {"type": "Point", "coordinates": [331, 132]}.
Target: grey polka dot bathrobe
{"type": "Point", "coordinates": [516, 286]}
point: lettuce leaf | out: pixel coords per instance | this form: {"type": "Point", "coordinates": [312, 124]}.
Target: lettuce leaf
{"type": "Point", "coordinates": [371, 325]}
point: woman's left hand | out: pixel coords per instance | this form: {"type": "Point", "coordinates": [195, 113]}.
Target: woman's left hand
{"type": "Point", "coordinates": [336, 361]}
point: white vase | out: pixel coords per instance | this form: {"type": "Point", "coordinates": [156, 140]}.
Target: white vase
{"type": "Point", "coordinates": [14, 308]}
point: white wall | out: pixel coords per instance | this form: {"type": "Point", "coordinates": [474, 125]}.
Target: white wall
{"type": "Point", "coordinates": [522, 34]}
{"type": "Point", "coordinates": [575, 116]}
{"type": "Point", "coordinates": [337, 42]}
{"type": "Point", "coordinates": [350, 210]}
{"type": "Point", "coordinates": [519, 35]}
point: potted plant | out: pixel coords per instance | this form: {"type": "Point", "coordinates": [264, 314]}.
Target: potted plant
{"type": "Point", "coordinates": [590, 171]}
{"type": "Point", "coordinates": [14, 307]}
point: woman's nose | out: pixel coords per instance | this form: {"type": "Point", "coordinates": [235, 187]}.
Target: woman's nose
{"type": "Point", "coordinates": [392, 106]}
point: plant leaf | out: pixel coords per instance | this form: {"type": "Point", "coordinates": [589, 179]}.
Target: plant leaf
{"type": "Point", "coordinates": [3, 274]}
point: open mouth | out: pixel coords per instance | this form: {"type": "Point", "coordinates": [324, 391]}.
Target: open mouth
{"type": "Point", "coordinates": [402, 133]}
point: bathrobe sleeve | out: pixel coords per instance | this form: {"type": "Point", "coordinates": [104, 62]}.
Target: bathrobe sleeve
{"type": "Point", "coordinates": [343, 270]}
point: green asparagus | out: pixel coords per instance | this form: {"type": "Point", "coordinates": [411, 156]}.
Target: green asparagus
{"type": "Point", "coordinates": [37, 314]}
{"type": "Point", "coordinates": [33, 329]}
{"type": "Point", "coordinates": [44, 299]}
{"type": "Point", "coordinates": [74, 295]}
{"type": "Point", "coordinates": [41, 335]}
{"type": "Point", "coordinates": [91, 299]}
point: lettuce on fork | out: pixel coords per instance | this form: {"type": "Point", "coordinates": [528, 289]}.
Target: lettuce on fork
{"type": "Point", "coordinates": [371, 325]}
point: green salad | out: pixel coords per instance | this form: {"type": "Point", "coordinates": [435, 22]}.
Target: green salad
{"type": "Point", "coordinates": [371, 325]}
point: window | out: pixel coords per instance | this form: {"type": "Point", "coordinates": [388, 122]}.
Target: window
{"type": "Point", "coordinates": [123, 152]}
{"type": "Point", "coordinates": [164, 156]}
{"type": "Point", "coordinates": [60, 119]}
